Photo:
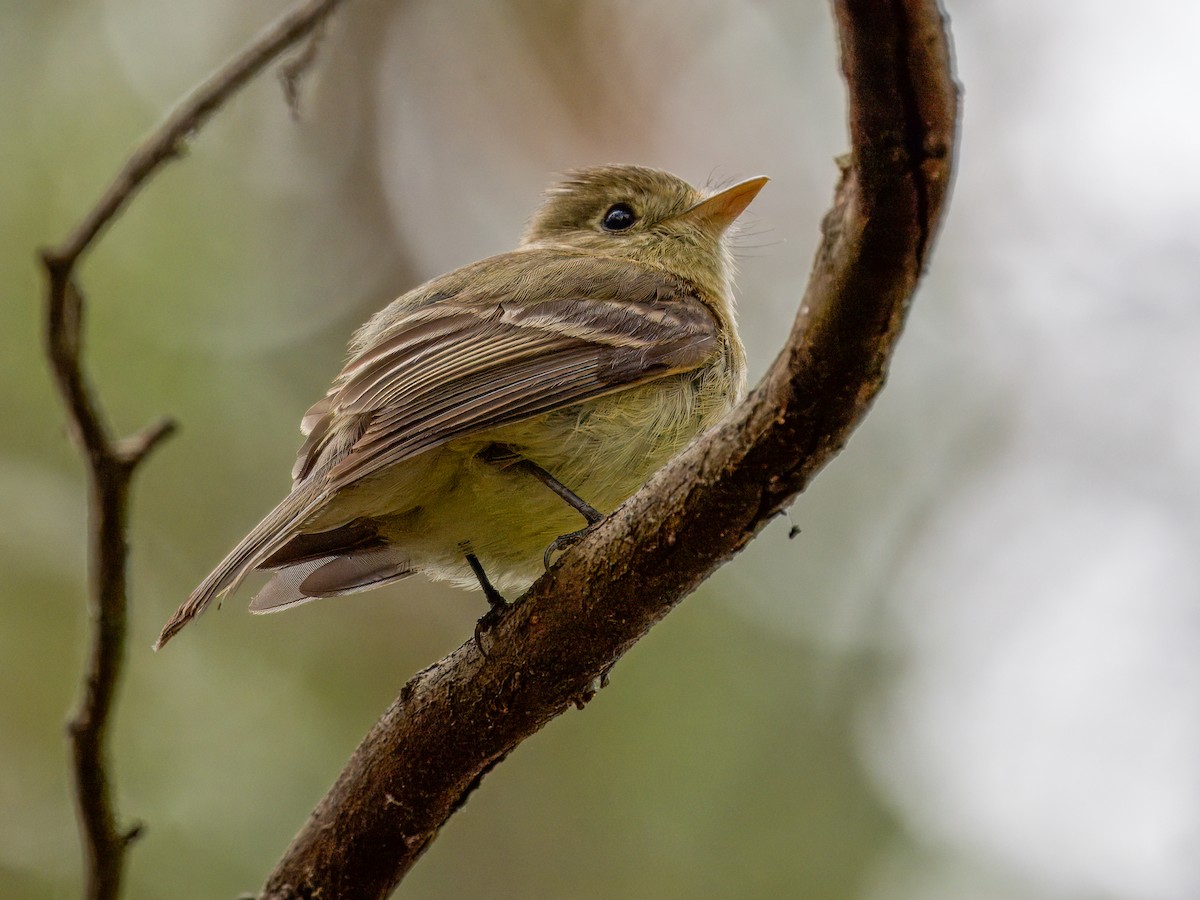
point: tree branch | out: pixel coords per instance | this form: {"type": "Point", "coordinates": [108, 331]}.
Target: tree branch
{"type": "Point", "coordinates": [169, 139]}
{"type": "Point", "coordinates": [111, 462]}
{"type": "Point", "coordinates": [456, 720]}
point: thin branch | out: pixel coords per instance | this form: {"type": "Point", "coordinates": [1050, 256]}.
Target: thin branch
{"type": "Point", "coordinates": [133, 449]}
{"type": "Point", "coordinates": [112, 462]}
{"type": "Point", "coordinates": [168, 139]}
{"type": "Point", "coordinates": [456, 720]}
{"type": "Point", "coordinates": [292, 72]}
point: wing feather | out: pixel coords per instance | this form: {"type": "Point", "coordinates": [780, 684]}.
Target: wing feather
{"type": "Point", "coordinates": [476, 407]}
{"type": "Point", "coordinates": [426, 371]}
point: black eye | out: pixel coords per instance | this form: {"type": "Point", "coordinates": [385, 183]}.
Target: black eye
{"type": "Point", "coordinates": [619, 217]}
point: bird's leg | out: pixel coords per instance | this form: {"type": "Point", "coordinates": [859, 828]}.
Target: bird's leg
{"type": "Point", "coordinates": [496, 602]}
{"type": "Point", "coordinates": [494, 598]}
{"type": "Point", "coordinates": [572, 499]}
{"type": "Point", "coordinates": [506, 458]}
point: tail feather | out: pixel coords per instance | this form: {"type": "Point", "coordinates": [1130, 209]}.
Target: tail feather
{"type": "Point", "coordinates": [265, 538]}
{"type": "Point", "coordinates": [330, 576]}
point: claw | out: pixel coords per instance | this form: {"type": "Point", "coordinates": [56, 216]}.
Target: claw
{"type": "Point", "coordinates": [563, 541]}
{"type": "Point", "coordinates": [487, 622]}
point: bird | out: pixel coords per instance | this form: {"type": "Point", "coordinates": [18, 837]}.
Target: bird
{"type": "Point", "coordinates": [491, 416]}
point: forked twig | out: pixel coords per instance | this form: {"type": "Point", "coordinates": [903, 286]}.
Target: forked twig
{"type": "Point", "coordinates": [111, 461]}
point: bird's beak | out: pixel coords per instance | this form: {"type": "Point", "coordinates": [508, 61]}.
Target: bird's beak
{"type": "Point", "coordinates": [719, 211]}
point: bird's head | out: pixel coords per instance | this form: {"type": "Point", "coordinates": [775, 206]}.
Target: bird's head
{"type": "Point", "coordinates": [647, 215]}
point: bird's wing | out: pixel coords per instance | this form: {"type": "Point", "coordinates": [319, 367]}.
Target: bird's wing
{"type": "Point", "coordinates": [565, 328]}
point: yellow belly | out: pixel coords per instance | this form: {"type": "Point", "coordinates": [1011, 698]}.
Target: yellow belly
{"type": "Point", "coordinates": [450, 502]}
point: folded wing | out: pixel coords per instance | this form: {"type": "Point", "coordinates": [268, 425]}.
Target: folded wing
{"type": "Point", "coordinates": [578, 328]}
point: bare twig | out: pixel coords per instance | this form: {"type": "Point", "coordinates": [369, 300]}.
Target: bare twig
{"type": "Point", "coordinates": [168, 139]}
{"type": "Point", "coordinates": [453, 722]}
{"type": "Point", "coordinates": [111, 462]}
{"type": "Point", "coordinates": [292, 72]}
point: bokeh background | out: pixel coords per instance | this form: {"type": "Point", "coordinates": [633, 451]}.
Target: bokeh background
{"type": "Point", "coordinates": [974, 674]}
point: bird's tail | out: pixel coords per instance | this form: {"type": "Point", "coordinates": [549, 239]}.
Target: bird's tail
{"type": "Point", "coordinates": [265, 538]}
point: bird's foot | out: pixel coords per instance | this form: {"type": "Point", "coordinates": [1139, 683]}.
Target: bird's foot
{"type": "Point", "coordinates": [565, 541]}
{"type": "Point", "coordinates": [497, 605]}
{"type": "Point", "coordinates": [489, 620]}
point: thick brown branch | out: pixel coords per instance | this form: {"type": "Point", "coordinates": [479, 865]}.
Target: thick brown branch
{"type": "Point", "coordinates": [111, 463]}
{"type": "Point", "coordinates": [456, 720]}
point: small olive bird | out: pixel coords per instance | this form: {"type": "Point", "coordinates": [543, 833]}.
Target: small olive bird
{"type": "Point", "coordinates": [486, 415]}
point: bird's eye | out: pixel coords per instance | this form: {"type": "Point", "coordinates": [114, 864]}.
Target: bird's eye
{"type": "Point", "coordinates": [619, 217]}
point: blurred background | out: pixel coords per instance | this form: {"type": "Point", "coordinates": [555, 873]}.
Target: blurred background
{"type": "Point", "coordinates": [975, 673]}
